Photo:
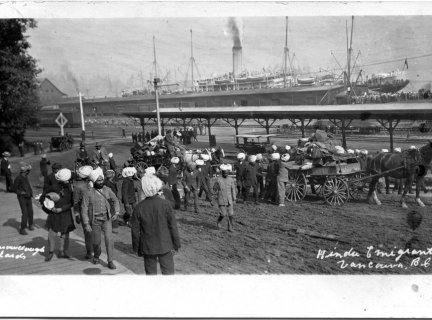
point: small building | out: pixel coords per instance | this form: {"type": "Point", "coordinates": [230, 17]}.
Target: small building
{"type": "Point", "coordinates": [49, 94]}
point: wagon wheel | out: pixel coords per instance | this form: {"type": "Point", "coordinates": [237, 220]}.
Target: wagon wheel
{"type": "Point", "coordinates": [358, 190]}
{"type": "Point", "coordinates": [335, 191]}
{"type": "Point", "coordinates": [141, 165]}
{"type": "Point", "coordinates": [296, 187]}
{"type": "Point", "coordinates": [214, 186]}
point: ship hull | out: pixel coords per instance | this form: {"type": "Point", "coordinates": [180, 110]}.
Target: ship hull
{"type": "Point", "coordinates": [389, 88]}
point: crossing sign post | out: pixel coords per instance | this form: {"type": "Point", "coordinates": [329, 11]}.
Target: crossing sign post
{"type": "Point", "coordinates": [61, 121]}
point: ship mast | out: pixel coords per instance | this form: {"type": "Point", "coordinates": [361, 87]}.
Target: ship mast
{"type": "Point", "coordinates": [349, 51]}
{"type": "Point", "coordinates": [286, 51]}
{"type": "Point", "coordinates": [154, 55]}
{"type": "Point", "coordinates": [192, 60]}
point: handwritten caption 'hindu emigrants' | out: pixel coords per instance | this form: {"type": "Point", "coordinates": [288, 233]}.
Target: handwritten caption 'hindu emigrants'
{"type": "Point", "coordinates": [419, 258]}
{"type": "Point", "coordinates": [5, 251]}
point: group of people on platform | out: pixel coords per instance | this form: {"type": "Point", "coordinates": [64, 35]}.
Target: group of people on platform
{"type": "Point", "coordinates": [376, 97]}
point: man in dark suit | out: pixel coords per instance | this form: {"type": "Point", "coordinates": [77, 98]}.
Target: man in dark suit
{"type": "Point", "coordinates": [250, 179]}
{"type": "Point", "coordinates": [24, 193]}
{"type": "Point", "coordinates": [191, 182]}
{"type": "Point", "coordinates": [5, 170]}
{"type": "Point", "coordinates": [50, 180]}
{"type": "Point", "coordinates": [44, 163]}
{"type": "Point", "coordinates": [172, 181]}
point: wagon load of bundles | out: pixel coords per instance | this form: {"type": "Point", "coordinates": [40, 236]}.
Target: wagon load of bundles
{"type": "Point", "coordinates": [321, 149]}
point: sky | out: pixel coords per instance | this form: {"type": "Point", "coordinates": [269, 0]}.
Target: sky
{"type": "Point", "coordinates": [118, 50]}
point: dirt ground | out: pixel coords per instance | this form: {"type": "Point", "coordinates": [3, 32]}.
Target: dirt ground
{"type": "Point", "coordinates": [268, 239]}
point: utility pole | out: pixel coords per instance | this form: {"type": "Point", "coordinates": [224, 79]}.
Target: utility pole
{"type": "Point", "coordinates": [142, 80]}
{"type": "Point", "coordinates": [285, 51]}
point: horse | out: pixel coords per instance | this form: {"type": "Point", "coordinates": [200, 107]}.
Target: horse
{"type": "Point", "coordinates": [407, 165]}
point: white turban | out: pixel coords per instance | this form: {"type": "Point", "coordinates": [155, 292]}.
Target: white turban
{"type": "Point", "coordinates": [175, 160]}
{"type": "Point", "coordinates": [275, 156]}
{"type": "Point", "coordinates": [84, 172]}
{"type": "Point", "coordinates": [364, 151]}
{"type": "Point", "coordinates": [285, 157]}
{"type": "Point", "coordinates": [128, 172]}
{"type": "Point", "coordinates": [252, 158]}
{"type": "Point", "coordinates": [398, 150]}
{"type": "Point", "coordinates": [287, 148]}
{"type": "Point", "coordinates": [179, 134]}
{"type": "Point", "coordinates": [110, 155]}
{"type": "Point", "coordinates": [150, 171]}
{"type": "Point", "coordinates": [213, 150]}
{"type": "Point", "coordinates": [199, 162]}
{"type": "Point", "coordinates": [151, 184]}
{"type": "Point", "coordinates": [25, 167]}
{"type": "Point", "coordinates": [259, 156]}
{"type": "Point", "coordinates": [274, 147]}
{"type": "Point", "coordinates": [241, 156]}
{"type": "Point", "coordinates": [205, 157]}
{"type": "Point", "coordinates": [413, 147]}
{"type": "Point", "coordinates": [229, 167]}
{"type": "Point", "coordinates": [63, 175]}
{"type": "Point", "coordinates": [357, 151]}
{"type": "Point", "coordinates": [95, 174]}
{"type": "Point", "coordinates": [384, 150]}
{"type": "Point", "coordinates": [223, 167]}
{"type": "Point", "coordinates": [350, 151]}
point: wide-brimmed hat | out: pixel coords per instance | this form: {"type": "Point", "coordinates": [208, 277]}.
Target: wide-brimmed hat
{"type": "Point", "coordinates": [57, 166]}
{"type": "Point", "coordinates": [82, 144]}
{"type": "Point", "coordinates": [98, 144]}
{"type": "Point", "coordinates": [6, 154]}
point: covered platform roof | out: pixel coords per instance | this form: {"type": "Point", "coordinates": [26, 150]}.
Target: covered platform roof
{"type": "Point", "coordinates": [398, 110]}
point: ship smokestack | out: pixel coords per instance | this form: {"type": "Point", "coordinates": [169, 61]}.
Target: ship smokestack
{"type": "Point", "coordinates": [235, 29]}
{"type": "Point", "coordinates": [237, 60]}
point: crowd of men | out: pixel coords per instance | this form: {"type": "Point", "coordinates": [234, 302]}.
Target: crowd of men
{"type": "Point", "coordinates": [376, 97]}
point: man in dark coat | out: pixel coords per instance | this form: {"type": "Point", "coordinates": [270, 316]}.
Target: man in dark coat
{"type": "Point", "coordinates": [140, 136]}
{"type": "Point", "coordinates": [111, 163]}
{"type": "Point", "coordinates": [128, 193]}
{"type": "Point", "coordinates": [260, 176]}
{"type": "Point", "coordinates": [191, 182]}
{"type": "Point", "coordinates": [123, 132]}
{"type": "Point", "coordinates": [238, 168]}
{"type": "Point", "coordinates": [41, 147]}
{"type": "Point", "coordinates": [82, 155]}
{"type": "Point", "coordinates": [50, 180]}
{"type": "Point", "coordinates": [172, 181]}
{"type": "Point", "coordinates": [271, 178]}
{"type": "Point", "coordinates": [250, 179]}
{"type": "Point", "coordinates": [204, 167]}
{"type": "Point", "coordinates": [154, 229]}
{"type": "Point", "coordinates": [6, 171]}
{"type": "Point", "coordinates": [24, 193]}
{"type": "Point", "coordinates": [147, 136]}
{"type": "Point", "coordinates": [44, 163]}
{"type": "Point", "coordinates": [21, 148]}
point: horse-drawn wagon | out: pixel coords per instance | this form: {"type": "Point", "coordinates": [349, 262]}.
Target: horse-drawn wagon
{"type": "Point", "coordinates": [60, 143]}
{"type": "Point", "coordinates": [336, 182]}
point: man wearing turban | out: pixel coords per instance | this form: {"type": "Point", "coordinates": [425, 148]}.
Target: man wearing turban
{"type": "Point", "coordinates": [238, 168]}
{"type": "Point", "coordinates": [172, 181]}
{"type": "Point", "coordinates": [226, 197]}
{"type": "Point", "coordinates": [128, 193]}
{"type": "Point", "coordinates": [204, 168]}
{"type": "Point", "coordinates": [271, 178]}
{"type": "Point", "coordinates": [43, 164]}
{"type": "Point", "coordinates": [81, 188]}
{"type": "Point", "coordinates": [250, 179]}
{"type": "Point", "coordinates": [6, 171]}
{"type": "Point", "coordinates": [154, 229]}
{"type": "Point", "coordinates": [60, 218]}
{"type": "Point", "coordinates": [191, 182]}
{"type": "Point", "coordinates": [99, 207]}
{"type": "Point", "coordinates": [24, 193]}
